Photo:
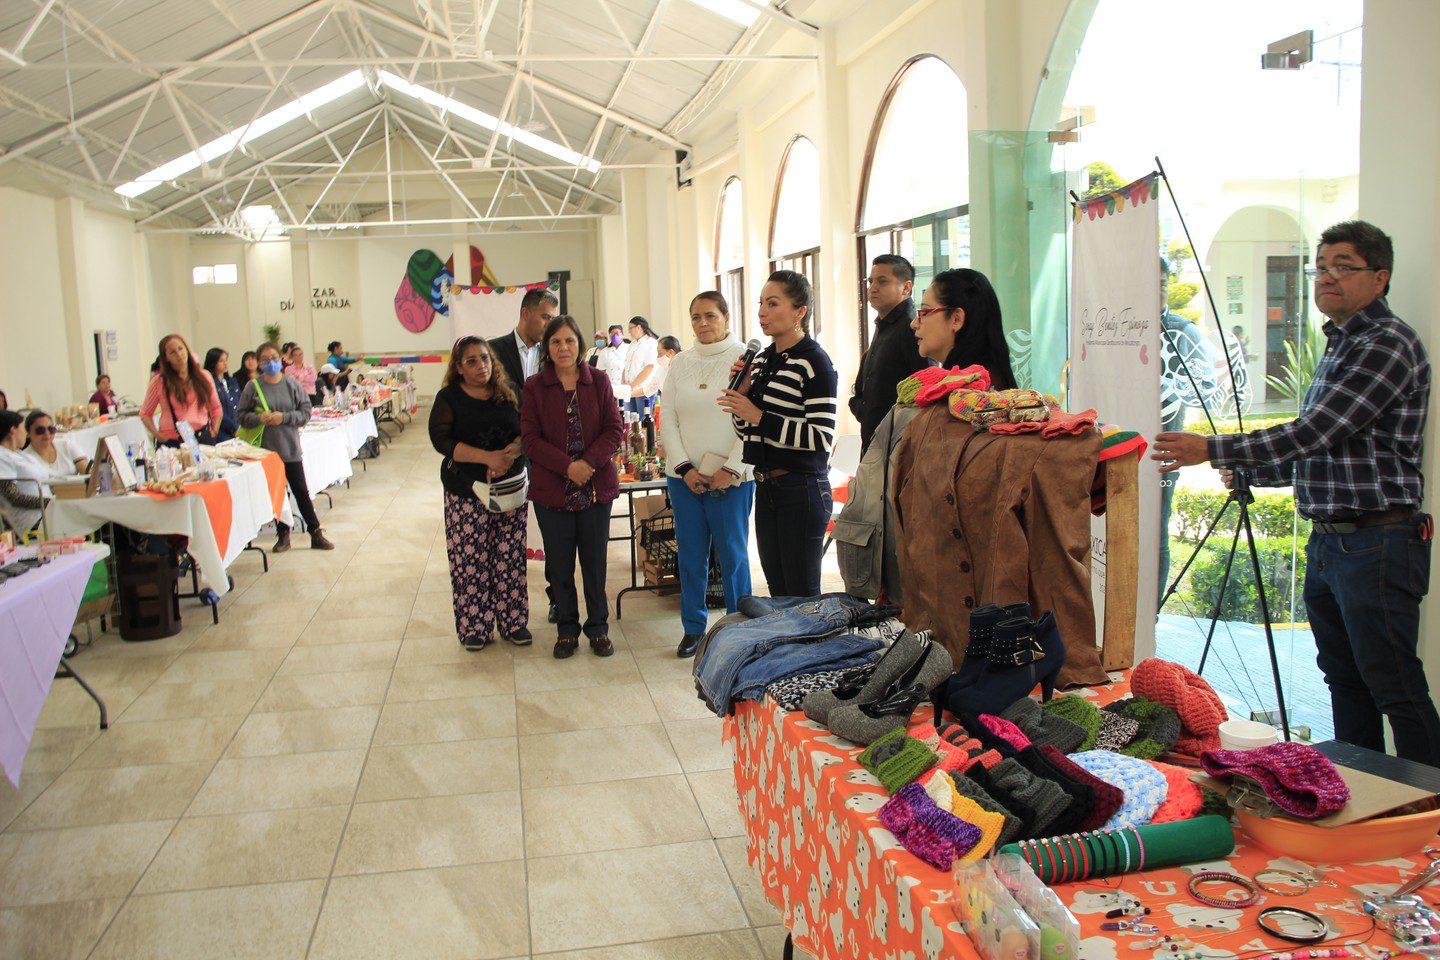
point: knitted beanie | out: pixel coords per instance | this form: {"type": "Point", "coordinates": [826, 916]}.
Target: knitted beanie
{"type": "Point", "coordinates": [1211, 803]}
{"type": "Point", "coordinates": [1159, 726]}
{"type": "Point", "coordinates": [1107, 798]}
{"type": "Point", "coordinates": [896, 767]}
{"type": "Point", "coordinates": [990, 824]}
{"type": "Point", "coordinates": [1182, 795]}
{"type": "Point", "coordinates": [1005, 730]}
{"type": "Point", "coordinates": [1116, 732]}
{"type": "Point", "coordinates": [1143, 785]}
{"type": "Point", "coordinates": [1298, 778]}
{"type": "Point", "coordinates": [1044, 797]}
{"type": "Point", "coordinates": [969, 789]}
{"type": "Point", "coordinates": [1043, 727]}
{"type": "Point", "coordinates": [1201, 711]}
{"type": "Point", "coordinates": [1078, 710]}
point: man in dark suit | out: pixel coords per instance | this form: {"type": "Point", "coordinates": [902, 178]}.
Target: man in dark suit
{"type": "Point", "coordinates": [894, 353]}
{"type": "Point", "coordinates": [519, 353]}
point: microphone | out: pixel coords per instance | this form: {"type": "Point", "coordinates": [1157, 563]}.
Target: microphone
{"type": "Point", "coordinates": [752, 349]}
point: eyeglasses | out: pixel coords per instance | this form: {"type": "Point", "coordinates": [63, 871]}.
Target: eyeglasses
{"type": "Point", "coordinates": [924, 312]}
{"type": "Point", "coordinates": [51, 430]}
{"type": "Point", "coordinates": [1337, 272]}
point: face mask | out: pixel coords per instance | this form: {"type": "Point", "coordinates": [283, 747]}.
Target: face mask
{"type": "Point", "coordinates": [616, 339]}
{"type": "Point", "coordinates": [599, 341]}
{"type": "Point", "coordinates": [271, 367]}
{"type": "Point", "coordinates": [664, 361]}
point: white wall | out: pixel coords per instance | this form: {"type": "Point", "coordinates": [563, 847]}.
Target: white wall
{"type": "Point", "coordinates": [32, 333]}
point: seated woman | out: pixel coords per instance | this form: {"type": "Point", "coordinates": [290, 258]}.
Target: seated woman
{"type": "Point", "coordinates": [104, 397]}
{"type": "Point", "coordinates": [298, 367]}
{"type": "Point", "coordinates": [22, 478]}
{"type": "Point", "coordinates": [56, 455]}
{"type": "Point", "coordinates": [958, 324]}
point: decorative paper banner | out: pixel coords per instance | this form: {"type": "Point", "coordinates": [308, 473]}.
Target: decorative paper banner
{"type": "Point", "coordinates": [385, 360]}
{"type": "Point", "coordinates": [427, 284]}
{"type": "Point", "coordinates": [486, 311]}
{"type": "Point", "coordinates": [1115, 359]}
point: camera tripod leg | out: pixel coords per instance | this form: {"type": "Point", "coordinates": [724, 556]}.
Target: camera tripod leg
{"type": "Point", "coordinates": [1220, 596]}
{"type": "Point", "coordinates": [1198, 547]}
{"type": "Point", "coordinates": [1265, 616]}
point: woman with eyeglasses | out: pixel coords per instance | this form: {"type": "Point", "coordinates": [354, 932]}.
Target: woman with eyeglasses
{"type": "Point", "coordinates": [57, 455]}
{"type": "Point", "coordinates": [570, 427]}
{"type": "Point", "coordinates": [22, 477]}
{"type": "Point", "coordinates": [784, 411]}
{"type": "Point", "coordinates": [475, 426]}
{"type": "Point", "coordinates": [180, 391]}
{"type": "Point", "coordinates": [958, 324]}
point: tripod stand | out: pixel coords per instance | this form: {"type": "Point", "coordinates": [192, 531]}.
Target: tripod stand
{"type": "Point", "coordinates": [1241, 496]}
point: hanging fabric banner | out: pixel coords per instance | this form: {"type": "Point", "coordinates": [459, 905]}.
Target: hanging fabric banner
{"type": "Point", "coordinates": [487, 312]}
{"type": "Point", "coordinates": [1115, 359]}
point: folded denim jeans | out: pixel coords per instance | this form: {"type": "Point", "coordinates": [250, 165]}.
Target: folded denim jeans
{"type": "Point", "coordinates": [731, 649]}
{"type": "Point", "coordinates": [781, 660]}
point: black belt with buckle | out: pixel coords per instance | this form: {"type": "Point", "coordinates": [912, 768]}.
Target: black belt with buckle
{"type": "Point", "coordinates": [1380, 518]}
{"type": "Point", "coordinates": [763, 475]}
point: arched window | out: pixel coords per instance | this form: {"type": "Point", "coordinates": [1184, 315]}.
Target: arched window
{"type": "Point", "coordinates": [915, 186]}
{"type": "Point", "coordinates": [730, 251]}
{"type": "Point", "coordinates": [795, 218]}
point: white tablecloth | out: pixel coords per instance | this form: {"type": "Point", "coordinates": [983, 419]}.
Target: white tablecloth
{"type": "Point", "coordinates": [325, 451]}
{"type": "Point", "coordinates": [37, 611]}
{"type": "Point", "coordinates": [128, 429]}
{"type": "Point", "coordinates": [185, 515]}
{"type": "Point", "coordinates": [358, 428]}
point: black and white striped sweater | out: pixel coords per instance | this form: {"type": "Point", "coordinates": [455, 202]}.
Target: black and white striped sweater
{"type": "Point", "coordinates": [795, 391]}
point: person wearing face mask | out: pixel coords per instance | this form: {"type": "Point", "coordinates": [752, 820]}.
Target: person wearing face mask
{"type": "Point", "coordinates": [892, 355]}
{"type": "Point", "coordinates": [784, 411]}
{"type": "Point", "coordinates": [282, 406]}
{"type": "Point", "coordinates": [57, 455]}
{"type": "Point", "coordinates": [475, 426]}
{"type": "Point", "coordinates": [958, 324]}
{"type": "Point", "coordinates": [22, 478]}
{"type": "Point", "coordinates": [612, 357]}
{"type": "Point", "coordinates": [179, 391]}
{"type": "Point", "coordinates": [669, 349]}
{"type": "Point", "coordinates": [602, 339]}
{"type": "Point", "coordinates": [712, 508]}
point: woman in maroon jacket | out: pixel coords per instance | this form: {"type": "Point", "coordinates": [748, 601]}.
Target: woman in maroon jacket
{"type": "Point", "coordinates": [570, 428]}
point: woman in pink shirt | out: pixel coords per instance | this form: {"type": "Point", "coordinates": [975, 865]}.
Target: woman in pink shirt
{"type": "Point", "coordinates": [295, 366]}
{"type": "Point", "coordinates": [180, 390]}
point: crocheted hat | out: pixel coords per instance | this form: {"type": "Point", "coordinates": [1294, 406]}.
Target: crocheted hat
{"type": "Point", "coordinates": [1079, 711]}
{"type": "Point", "coordinates": [896, 759]}
{"type": "Point", "coordinates": [1143, 785]}
{"type": "Point", "coordinates": [1300, 779]}
{"type": "Point", "coordinates": [1010, 780]}
{"type": "Point", "coordinates": [1183, 691]}
{"type": "Point", "coordinates": [1116, 732]}
{"type": "Point", "coordinates": [1107, 799]}
{"type": "Point", "coordinates": [1159, 726]}
{"type": "Point", "coordinates": [1080, 794]}
{"type": "Point", "coordinates": [934, 835]}
{"type": "Point", "coordinates": [1182, 795]}
{"type": "Point", "coordinates": [969, 789]}
{"type": "Point", "coordinates": [990, 824]}
{"type": "Point", "coordinates": [1043, 727]}
{"type": "Point", "coordinates": [1005, 730]}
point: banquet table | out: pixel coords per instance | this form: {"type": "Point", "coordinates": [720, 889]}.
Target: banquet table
{"type": "Point", "coordinates": [325, 451]}
{"type": "Point", "coordinates": [847, 890]}
{"type": "Point", "coordinates": [357, 427]}
{"type": "Point", "coordinates": [219, 517]}
{"type": "Point", "coordinates": [128, 429]}
{"type": "Point", "coordinates": [37, 612]}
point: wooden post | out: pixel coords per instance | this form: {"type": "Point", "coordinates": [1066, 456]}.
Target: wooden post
{"type": "Point", "coordinates": [1122, 561]}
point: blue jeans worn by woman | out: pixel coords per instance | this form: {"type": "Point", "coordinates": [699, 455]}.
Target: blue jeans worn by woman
{"type": "Point", "coordinates": [720, 518]}
{"type": "Point", "coordinates": [796, 629]}
{"type": "Point", "coordinates": [1363, 590]}
{"type": "Point", "coordinates": [792, 512]}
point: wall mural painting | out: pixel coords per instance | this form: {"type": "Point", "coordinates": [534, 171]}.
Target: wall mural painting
{"type": "Point", "coordinates": [426, 281]}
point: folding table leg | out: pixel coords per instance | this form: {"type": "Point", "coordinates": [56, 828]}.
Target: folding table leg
{"type": "Point", "coordinates": [264, 557]}
{"type": "Point", "coordinates": [66, 670]}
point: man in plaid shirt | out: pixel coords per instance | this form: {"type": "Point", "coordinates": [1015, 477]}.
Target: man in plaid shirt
{"type": "Point", "coordinates": [1353, 455]}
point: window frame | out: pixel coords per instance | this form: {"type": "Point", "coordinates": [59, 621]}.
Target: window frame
{"type": "Point", "coordinates": [807, 263]}
{"type": "Point", "coordinates": [935, 221]}
{"type": "Point", "coordinates": [724, 278]}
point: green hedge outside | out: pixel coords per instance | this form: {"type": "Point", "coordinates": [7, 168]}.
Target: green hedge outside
{"type": "Point", "coordinates": [1272, 515]}
{"type": "Point", "coordinates": [1197, 595]}
{"type": "Point", "coordinates": [1198, 424]}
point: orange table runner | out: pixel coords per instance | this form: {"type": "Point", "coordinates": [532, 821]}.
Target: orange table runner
{"type": "Point", "coordinates": [220, 501]}
{"type": "Point", "coordinates": [848, 891]}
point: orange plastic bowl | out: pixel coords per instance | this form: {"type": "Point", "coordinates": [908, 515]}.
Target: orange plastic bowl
{"type": "Point", "coordinates": [1384, 838]}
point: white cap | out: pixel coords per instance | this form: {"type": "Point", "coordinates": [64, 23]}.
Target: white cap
{"type": "Point", "coordinates": [328, 368]}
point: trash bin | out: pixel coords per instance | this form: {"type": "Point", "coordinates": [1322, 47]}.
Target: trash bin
{"type": "Point", "coordinates": [148, 587]}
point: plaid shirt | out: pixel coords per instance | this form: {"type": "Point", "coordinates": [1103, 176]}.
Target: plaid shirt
{"type": "Point", "coordinates": [1356, 445]}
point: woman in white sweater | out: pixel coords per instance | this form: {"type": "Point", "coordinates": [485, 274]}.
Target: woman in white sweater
{"type": "Point", "coordinates": [711, 490]}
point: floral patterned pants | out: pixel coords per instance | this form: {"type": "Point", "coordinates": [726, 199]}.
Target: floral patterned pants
{"type": "Point", "coordinates": [487, 568]}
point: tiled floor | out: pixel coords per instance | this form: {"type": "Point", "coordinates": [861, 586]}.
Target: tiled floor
{"type": "Point", "coordinates": [326, 773]}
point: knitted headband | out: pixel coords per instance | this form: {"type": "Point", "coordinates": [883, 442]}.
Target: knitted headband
{"type": "Point", "coordinates": [1080, 711]}
{"type": "Point", "coordinates": [896, 759]}
{"type": "Point", "coordinates": [1043, 727]}
{"type": "Point", "coordinates": [1159, 726]}
{"type": "Point", "coordinates": [1298, 778]}
{"type": "Point", "coordinates": [1200, 709]}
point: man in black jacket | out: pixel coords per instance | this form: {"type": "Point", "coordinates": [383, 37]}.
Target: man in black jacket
{"type": "Point", "coordinates": [519, 352]}
{"type": "Point", "coordinates": [894, 353]}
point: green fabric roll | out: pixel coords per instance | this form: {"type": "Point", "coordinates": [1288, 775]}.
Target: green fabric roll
{"type": "Point", "coordinates": [1164, 845]}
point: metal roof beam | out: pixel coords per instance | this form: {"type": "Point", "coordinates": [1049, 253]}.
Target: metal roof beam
{"type": "Point", "coordinates": [424, 60]}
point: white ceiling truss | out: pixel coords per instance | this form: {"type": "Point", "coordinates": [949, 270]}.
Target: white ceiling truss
{"type": "Point", "coordinates": [194, 108]}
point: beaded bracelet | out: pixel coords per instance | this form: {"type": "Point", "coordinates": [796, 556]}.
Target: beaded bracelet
{"type": "Point", "coordinates": [1215, 876]}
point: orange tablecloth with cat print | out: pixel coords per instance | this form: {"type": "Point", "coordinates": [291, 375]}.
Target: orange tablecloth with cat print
{"type": "Point", "coordinates": [848, 891]}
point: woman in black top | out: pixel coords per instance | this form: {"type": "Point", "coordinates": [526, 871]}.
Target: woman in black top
{"type": "Point", "coordinates": [217, 361]}
{"type": "Point", "coordinates": [475, 425]}
{"type": "Point", "coordinates": [785, 414]}
{"type": "Point", "coordinates": [958, 324]}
